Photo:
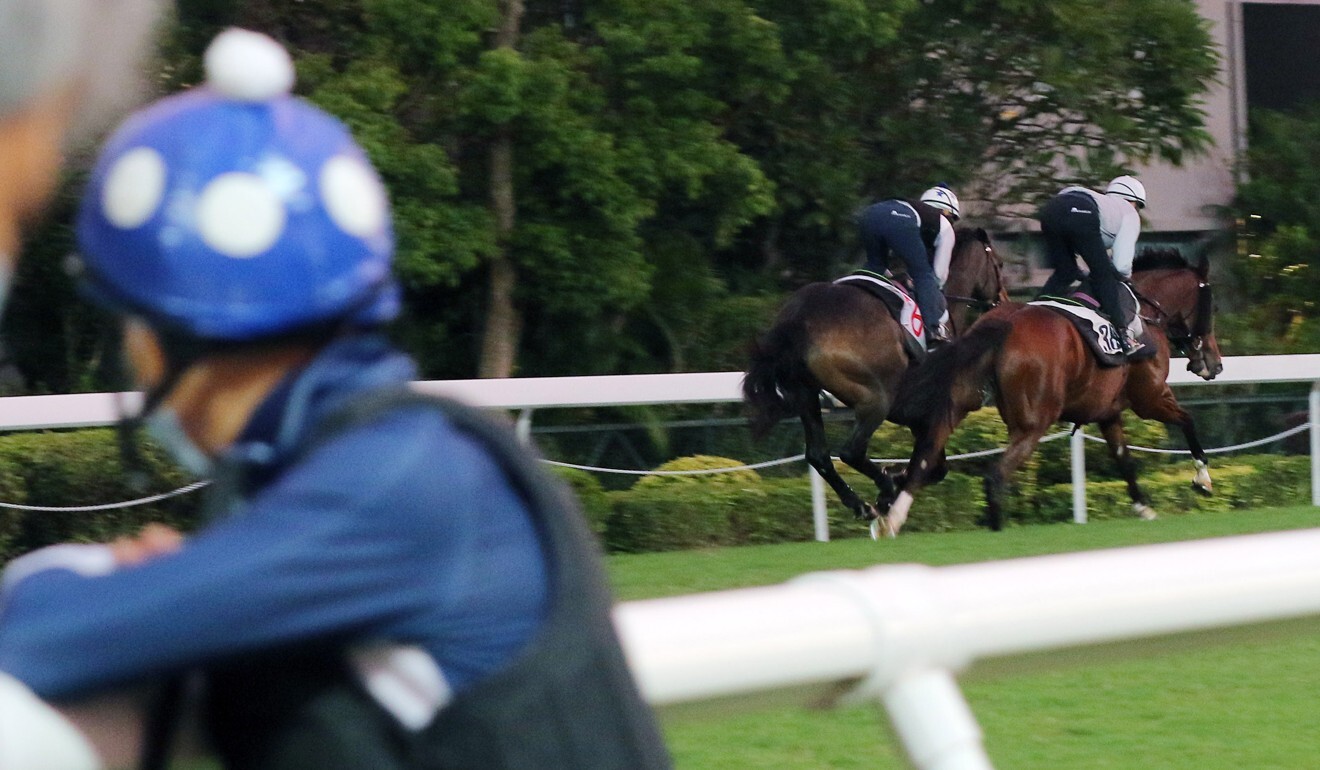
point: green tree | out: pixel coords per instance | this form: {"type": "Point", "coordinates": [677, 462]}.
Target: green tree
{"type": "Point", "coordinates": [1278, 207]}
{"type": "Point", "coordinates": [529, 165]}
{"type": "Point", "coordinates": [629, 185]}
{"type": "Point", "coordinates": [1020, 96]}
{"type": "Point", "coordinates": [1006, 100]}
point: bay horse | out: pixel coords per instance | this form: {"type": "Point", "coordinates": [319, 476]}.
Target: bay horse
{"type": "Point", "coordinates": [840, 339]}
{"type": "Point", "coordinates": [1040, 372]}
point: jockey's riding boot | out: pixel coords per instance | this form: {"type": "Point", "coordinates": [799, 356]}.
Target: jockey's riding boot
{"type": "Point", "coordinates": [937, 337]}
{"type": "Point", "coordinates": [1134, 344]}
{"type": "Point", "coordinates": [1125, 346]}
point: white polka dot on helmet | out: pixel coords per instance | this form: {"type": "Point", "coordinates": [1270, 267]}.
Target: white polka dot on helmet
{"type": "Point", "coordinates": [236, 211]}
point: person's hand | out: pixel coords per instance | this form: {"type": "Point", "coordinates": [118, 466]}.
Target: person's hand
{"type": "Point", "coordinates": [153, 540]}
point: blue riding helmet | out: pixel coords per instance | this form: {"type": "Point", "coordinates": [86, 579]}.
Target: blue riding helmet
{"type": "Point", "coordinates": [235, 211]}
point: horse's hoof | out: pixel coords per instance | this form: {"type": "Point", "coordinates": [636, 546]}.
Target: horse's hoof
{"type": "Point", "coordinates": [881, 525]}
{"type": "Point", "coordinates": [1201, 482]}
{"type": "Point", "coordinates": [1144, 511]}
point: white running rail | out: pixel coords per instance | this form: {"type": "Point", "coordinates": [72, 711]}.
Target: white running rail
{"type": "Point", "coordinates": [900, 634]}
{"type": "Point", "coordinates": [528, 394]}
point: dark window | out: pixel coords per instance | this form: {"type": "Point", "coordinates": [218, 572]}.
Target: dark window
{"type": "Point", "coordinates": [1281, 41]}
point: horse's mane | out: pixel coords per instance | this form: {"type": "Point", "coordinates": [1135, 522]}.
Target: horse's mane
{"type": "Point", "coordinates": [962, 235]}
{"type": "Point", "coordinates": [1160, 259]}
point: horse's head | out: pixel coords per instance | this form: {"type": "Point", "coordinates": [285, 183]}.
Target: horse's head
{"type": "Point", "coordinates": [1183, 303]}
{"type": "Point", "coordinates": [1203, 357]}
{"type": "Point", "coordinates": [976, 275]}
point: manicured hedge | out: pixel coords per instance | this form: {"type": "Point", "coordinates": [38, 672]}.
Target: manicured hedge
{"type": "Point", "coordinates": [592, 497]}
{"type": "Point", "coordinates": [659, 513]}
{"type": "Point", "coordinates": [79, 468]}
{"type": "Point", "coordinates": [779, 510]}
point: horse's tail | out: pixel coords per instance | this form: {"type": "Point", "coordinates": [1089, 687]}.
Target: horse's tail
{"type": "Point", "coordinates": [951, 379]}
{"type": "Point", "coordinates": [775, 378]}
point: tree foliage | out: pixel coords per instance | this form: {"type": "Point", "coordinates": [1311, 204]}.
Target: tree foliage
{"type": "Point", "coordinates": [678, 164]}
{"type": "Point", "coordinates": [1278, 207]}
{"type": "Point", "coordinates": [1021, 96]}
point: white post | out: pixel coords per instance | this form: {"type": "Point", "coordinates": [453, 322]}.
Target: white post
{"type": "Point", "coordinates": [818, 511]}
{"type": "Point", "coordinates": [934, 722]}
{"type": "Point", "coordinates": [1077, 445]}
{"type": "Point", "coordinates": [523, 427]}
{"type": "Point", "coordinates": [1314, 417]}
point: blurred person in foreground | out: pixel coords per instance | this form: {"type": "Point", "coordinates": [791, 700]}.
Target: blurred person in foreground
{"type": "Point", "coordinates": [386, 580]}
{"type": "Point", "coordinates": [65, 67]}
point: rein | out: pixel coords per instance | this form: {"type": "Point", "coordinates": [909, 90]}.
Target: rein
{"type": "Point", "coordinates": [980, 304]}
{"type": "Point", "coordinates": [1201, 320]}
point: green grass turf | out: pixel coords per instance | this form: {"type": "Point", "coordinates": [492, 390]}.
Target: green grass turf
{"type": "Point", "coordinates": [642, 576]}
{"type": "Point", "coordinates": [1249, 704]}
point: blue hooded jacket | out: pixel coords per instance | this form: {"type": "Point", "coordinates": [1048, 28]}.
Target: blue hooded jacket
{"type": "Point", "coordinates": [400, 531]}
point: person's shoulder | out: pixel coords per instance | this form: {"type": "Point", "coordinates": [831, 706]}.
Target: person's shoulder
{"type": "Point", "coordinates": [416, 426]}
{"type": "Point", "coordinates": [409, 458]}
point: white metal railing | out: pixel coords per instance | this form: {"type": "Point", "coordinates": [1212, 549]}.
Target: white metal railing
{"type": "Point", "coordinates": [899, 634]}
{"type": "Point", "coordinates": [526, 395]}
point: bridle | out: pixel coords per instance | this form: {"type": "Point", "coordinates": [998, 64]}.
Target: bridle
{"type": "Point", "coordinates": [982, 304]}
{"type": "Point", "coordinates": [1188, 339]}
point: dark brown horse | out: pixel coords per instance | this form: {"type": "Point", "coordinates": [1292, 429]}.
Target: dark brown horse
{"type": "Point", "coordinates": [1041, 372]}
{"type": "Point", "coordinates": [840, 339]}
{"type": "Point", "coordinates": [974, 285]}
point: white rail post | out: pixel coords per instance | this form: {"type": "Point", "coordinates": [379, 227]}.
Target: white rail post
{"type": "Point", "coordinates": [523, 427]}
{"type": "Point", "coordinates": [934, 722]}
{"type": "Point", "coordinates": [1314, 417]}
{"type": "Point", "coordinates": [1077, 444]}
{"type": "Point", "coordinates": [819, 514]}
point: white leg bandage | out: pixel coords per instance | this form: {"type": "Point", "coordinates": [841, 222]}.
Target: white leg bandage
{"type": "Point", "coordinates": [898, 512]}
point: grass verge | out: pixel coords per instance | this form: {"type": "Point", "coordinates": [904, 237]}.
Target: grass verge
{"type": "Point", "coordinates": [1249, 704]}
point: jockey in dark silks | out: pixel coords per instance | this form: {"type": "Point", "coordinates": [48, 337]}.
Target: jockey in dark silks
{"type": "Point", "coordinates": [386, 580]}
{"type": "Point", "coordinates": [920, 233]}
{"type": "Point", "coordinates": [1103, 230]}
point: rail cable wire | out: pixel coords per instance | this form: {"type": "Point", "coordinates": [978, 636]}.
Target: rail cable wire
{"type": "Point", "coordinates": [110, 506]}
{"type": "Point", "coordinates": [965, 456]}
{"type": "Point", "coordinates": [696, 472]}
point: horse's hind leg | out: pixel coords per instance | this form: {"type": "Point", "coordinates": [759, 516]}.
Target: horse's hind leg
{"type": "Point", "coordinates": [1127, 467]}
{"type": "Point", "coordinates": [818, 457]}
{"type": "Point", "coordinates": [856, 448]}
{"type": "Point", "coordinates": [1021, 443]}
{"type": "Point", "coordinates": [1154, 400]}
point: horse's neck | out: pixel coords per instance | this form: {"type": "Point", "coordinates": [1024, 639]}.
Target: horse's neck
{"type": "Point", "coordinates": [1168, 294]}
{"type": "Point", "coordinates": [972, 275]}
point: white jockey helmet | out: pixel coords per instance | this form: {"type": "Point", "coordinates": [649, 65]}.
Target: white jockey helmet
{"type": "Point", "coordinates": [941, 197]}
{"type": "Point", "coordinates": [1128, 188]}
